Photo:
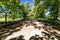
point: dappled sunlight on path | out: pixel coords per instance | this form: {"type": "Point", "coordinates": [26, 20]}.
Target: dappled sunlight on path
{"type": "Point", "coordinates": [33, 28]}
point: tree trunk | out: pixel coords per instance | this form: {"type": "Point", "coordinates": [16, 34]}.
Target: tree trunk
{"type": "Point", "coordinates": [5, 18]}
{"type": "Point", "coordinates": [57, 10]}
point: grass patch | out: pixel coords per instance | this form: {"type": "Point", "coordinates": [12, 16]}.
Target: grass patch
{"type": "Point", "coordinates": [52, 22]}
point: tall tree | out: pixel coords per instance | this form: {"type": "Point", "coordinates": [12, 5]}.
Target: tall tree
{"type": "Point", "coordinates": [36, 3]}
{"type": "Point", "coordinates": [14, 7]}
{"type": "Point", "coordinates": [56, 9]}
{"type": "Point", "coordinates": [39, 9]}
{"type": "Point", "coordinates": [3, 3]}
{"type": "Point", "coordinates": [12, 4]}
{"type": "Point", "coordinates": [53, 5]}
{"type": "Point", "coordinates": [23, 11]}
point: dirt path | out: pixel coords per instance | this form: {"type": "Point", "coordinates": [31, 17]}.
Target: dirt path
{"type": "Point", "coordinates": [32, 28]}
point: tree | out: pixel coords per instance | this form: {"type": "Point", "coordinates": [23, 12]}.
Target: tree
{"type": "Point", "coordinates": [23, 11]}
{"type": "Point", "coordinates": [3, 3]}
{"type": "Point", "coordinates": [36, 5]}
{"type": "Point", "coordinates": [53, 5]}
{"type": "Point", "coordinates": [27, 10]}
{"type": "Point", "coordinates": [39, 9]}
{"type": "Point", "coordinates": [57, 10]}
{"type": "Point", "coordinates": [10, 4]}
{"type": "Point", "coordinates": [14, 7]}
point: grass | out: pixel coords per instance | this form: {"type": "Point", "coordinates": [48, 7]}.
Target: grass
{"type": "Point", "coordinates": [9, 19]}
{"type": "Point", "coordinates": [46, 20]}
{"type": "Point", "coordinates": [2, 19]}
{"type": "Point", "coordinates": [56, 25]}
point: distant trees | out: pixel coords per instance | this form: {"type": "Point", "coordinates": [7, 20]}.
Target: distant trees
{"type": "Point", "coordinates": [27, 10]}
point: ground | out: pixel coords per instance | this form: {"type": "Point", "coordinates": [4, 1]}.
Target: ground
{"type": "Point", "coordinates": [30, 30]}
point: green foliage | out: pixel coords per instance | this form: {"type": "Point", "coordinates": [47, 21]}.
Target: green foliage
{"type": "Point", "coordinates": [14, 9]}
{"type": "Point", "coordinates": [39, 9]}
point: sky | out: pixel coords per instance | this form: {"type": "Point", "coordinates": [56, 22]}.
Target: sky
{"type": "Point", "coordinates": [30, 1]}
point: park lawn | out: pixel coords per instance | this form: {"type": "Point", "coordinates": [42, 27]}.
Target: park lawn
{"type": "Point", "coordinates": [2, 19]}
{"type": "Point", "coordinates": [8, 19]}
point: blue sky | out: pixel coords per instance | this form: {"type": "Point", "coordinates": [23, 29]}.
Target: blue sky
{"type": "Point", "coordinates": [30, 1]}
